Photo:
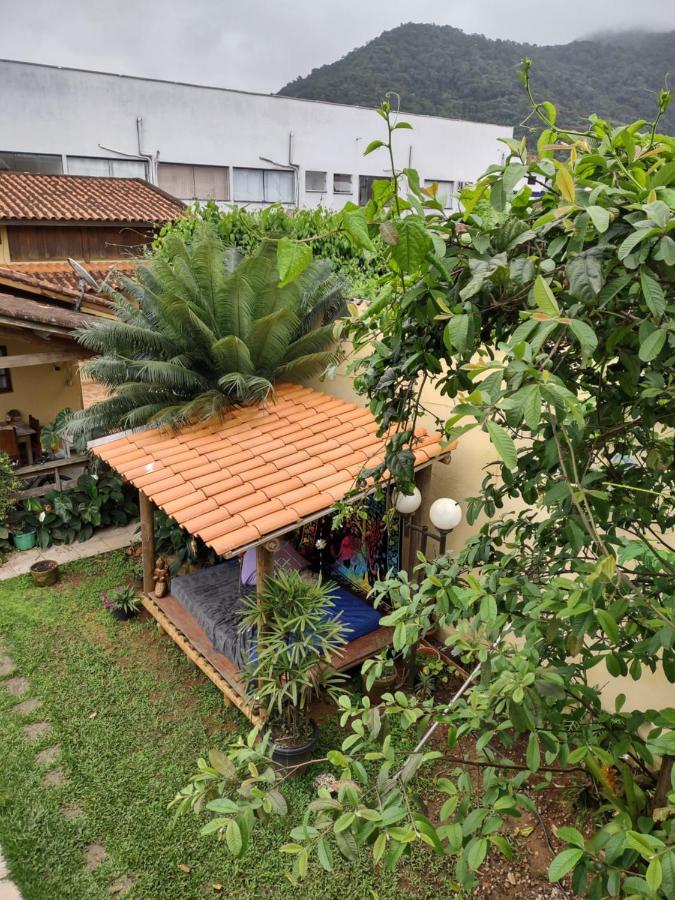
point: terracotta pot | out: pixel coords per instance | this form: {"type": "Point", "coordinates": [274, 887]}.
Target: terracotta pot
{"type": "Point", "coordinates": [45, 572]}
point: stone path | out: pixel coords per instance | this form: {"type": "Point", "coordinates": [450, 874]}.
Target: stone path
{"type": "Point", "coordinates": [103, 541]}
{"type": "Point", "coordinates": [54, 776]}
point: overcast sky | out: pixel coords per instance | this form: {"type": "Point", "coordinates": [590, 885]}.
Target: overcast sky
{"type": "Point", "coordinates": [259, 45]}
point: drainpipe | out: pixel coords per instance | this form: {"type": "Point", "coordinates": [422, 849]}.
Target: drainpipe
{"type": "Point", "coordinates": [290, 165]}
{"type": "Point", "coordinates": [150, 159]}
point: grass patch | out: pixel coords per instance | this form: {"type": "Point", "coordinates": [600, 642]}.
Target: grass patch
{"type": "Point", "coordinates": [131, 715]}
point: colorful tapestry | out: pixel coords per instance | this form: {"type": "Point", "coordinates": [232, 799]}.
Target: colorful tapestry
{"type": "Point", "coordinates": [362, 550]}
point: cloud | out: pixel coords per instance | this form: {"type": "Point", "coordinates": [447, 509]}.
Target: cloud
{"type": "Point", "coordinates": [260, 45]}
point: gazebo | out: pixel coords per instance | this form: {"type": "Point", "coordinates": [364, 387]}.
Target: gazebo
{"type": "Point", "coordinates": [245, 481]}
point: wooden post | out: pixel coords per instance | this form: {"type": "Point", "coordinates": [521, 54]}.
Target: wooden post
{"type": "Point", "coordinates": [264, 563]}
{"type": "Point", "coordinates": [423, 484]}
{"type": "Point", "coordinates": [147, 541]}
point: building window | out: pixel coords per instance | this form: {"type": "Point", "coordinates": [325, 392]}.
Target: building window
{"type": "Point", "coordinates": [264, 185]}
{"type": "Point", "coordinates": [5, 376]}
{"type": "Point", "coordinates": [194, 182]}
{"type": "Point", "coordinates": [315, 181]}
{"type": "Point", "coordinates": [366, 188]}
{"type": "Point", "coordinates": [40, 163]}
{"type": "Point", "coordinates": [445, 190]}
{"type": "Point", "coordinates": [342, 184]}
{"type": "Point", "coordinates": [107, 168]}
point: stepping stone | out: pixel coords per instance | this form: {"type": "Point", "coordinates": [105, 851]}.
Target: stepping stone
{"type": "Point", "coordinates": [7, 666]}
{"type": "Point", "coordinates": [72, 811]}
{"type": "Point", "coordinates": [94, 855]}
{"type": "Point", "coordinates": [28, 706]}
{"type": "Point", "coordinates": [48, 756]}
{"type": "Point", "coordinates": [17, 686]}
{"type": "Point", "coordinates": [36, 730]}
{"type": "Point", "coordinates": [121, 886]}
{"type": "Point", "coordinates": [9, 891]}
{"type": "Point", "coordinates": [55, 778]}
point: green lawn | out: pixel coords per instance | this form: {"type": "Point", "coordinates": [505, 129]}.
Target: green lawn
{"type": "Point", "coordinates": [131, 715]}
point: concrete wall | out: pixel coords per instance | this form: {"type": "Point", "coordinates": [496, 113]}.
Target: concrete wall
{"type": "Point", "coordinates": [39, 391]}
{"type": "Point", "coordinates": [45, 109]}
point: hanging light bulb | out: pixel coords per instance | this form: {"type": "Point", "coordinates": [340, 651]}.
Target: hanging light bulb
{"type": "Point", "coordinates": [407, 504]}
{"type": "Point", "coordinates": [445, 514]}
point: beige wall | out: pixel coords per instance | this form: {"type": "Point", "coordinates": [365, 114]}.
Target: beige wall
{"type": "Point", "coordinates": [39, 391]}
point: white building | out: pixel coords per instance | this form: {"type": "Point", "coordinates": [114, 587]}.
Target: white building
{"type": "Point", "coordinates": [204, 143]}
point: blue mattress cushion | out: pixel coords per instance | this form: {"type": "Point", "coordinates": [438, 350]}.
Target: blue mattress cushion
{"type": "Point", "coordinates": [357, 617]}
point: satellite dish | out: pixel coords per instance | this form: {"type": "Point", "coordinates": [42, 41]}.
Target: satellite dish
{"type": "Point", "coordinates": [82, 274]}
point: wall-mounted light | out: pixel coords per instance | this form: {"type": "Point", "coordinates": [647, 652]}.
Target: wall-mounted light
{"type": "Point", "coordinates": [444, 513]}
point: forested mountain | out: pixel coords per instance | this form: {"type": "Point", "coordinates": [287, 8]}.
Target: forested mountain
{"type": "Point", "coordinates": [440, 70]}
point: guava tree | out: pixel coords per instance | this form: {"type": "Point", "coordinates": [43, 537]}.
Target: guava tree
{"type": "Point", "coordinates": [544, 311]}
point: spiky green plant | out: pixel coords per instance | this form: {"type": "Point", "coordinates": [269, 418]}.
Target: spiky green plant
{"type": "Point", "coordinates": [201, 328]}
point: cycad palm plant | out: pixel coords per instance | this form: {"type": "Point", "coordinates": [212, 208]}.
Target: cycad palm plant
{"type": "Point", "coordinates": [201, 328]}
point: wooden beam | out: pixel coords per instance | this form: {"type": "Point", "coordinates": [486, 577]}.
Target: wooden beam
{"type": "Point", "coordinates": [423, 484]}
{"type": "Point", "coordinates": [147, 541]}
{"type": "Point", "coordinates": [264, 563]}
{"type": "Point", "coordinates": [40, 359]}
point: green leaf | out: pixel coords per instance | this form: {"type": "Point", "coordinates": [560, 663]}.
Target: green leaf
{"type": "Point", "coordinates": [324, 855]}
{"type": "Point", "coordinates": [532, 407]}
{"type": "Point", "coordinates": [347, 845]}
{"type": "Point", "coordinates": [233, 838]}
{"type": "Point", "coordinates": [607, 624]}
{"type": "Point", "coordinates": [503, 444]}
{"type": "Point", "coordinates": [663, 745]}
{"type": "Point", "coordinates": [373, 145]}
{"type": "Point", "coordinates": [544, 297]}
{"type": "Point", "coordinates": [512, 175]}
{"type": "Point", "coordinates": [379, 847]}
{"type": "Point", "coordinates": [585, 335]}
{"type": "Point", "coordinates": [356, 226]}
{"type": "Point", "coordinates": [413, 244]}
{"type": "Point", "coordinates": [599, 216]}
{"type": "Point", "coordinates": [343, 822]}
{"type": "Point", "coordinates": [457, 332]}
{"type": "Point", "coordinates": [222, 763]}
{"type": "Point", "coordinates": [630, 243]}
{"type": "Point", "coordinates": [563, 863]}
{"type": "Point", "coordinates": [533, 757]}
{"type": "Point", "coordinates": [571, 836]}
{"type": "Point", "coordinates": [654, 874]}
{"type": "Point", "coordinates": [292, 259]}
{"type": "Point", "coordinates": [476, 853]}
{"type": "Point", "coordinates": [653, 294]}
{"type": "Point", "coordinates": [652, 345]}
{"type": "Point", "coordinates": [585, 275]}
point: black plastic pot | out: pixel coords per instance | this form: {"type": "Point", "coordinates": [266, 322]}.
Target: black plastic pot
{"type": "Point", "coordinates": [288, 757]}
{"type": "Point", "coordinates": [123, 615]}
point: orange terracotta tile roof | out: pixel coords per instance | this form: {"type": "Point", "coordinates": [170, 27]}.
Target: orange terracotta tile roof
{"type": "Point", "coordinates": [29, 197]}
{"type": "Point", "coordinates": [260, 471]}
{"type": "Point", "coordinates": [58, 276]}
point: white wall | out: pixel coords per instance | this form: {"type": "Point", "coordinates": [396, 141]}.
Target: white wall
{"type": "Point", "coordinates": [44, 109]}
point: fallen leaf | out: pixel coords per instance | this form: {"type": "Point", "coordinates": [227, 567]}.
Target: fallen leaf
{"type": "Point", "coordinates": [217, 887]}
{"type": "Point", "coordinates": [93, 715]}
{"type": "Point", "coordinates": [184, 868]}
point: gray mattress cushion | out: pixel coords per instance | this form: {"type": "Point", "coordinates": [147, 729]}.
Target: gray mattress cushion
{"type": "Point", "coordinates": [213, 596]}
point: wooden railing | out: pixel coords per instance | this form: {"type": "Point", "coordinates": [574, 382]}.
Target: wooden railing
{"type": "Point", "coordinates": [53, 467]}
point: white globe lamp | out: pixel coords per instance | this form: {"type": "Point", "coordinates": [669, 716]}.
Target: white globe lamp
{"type": "Point", "coordinates": [407, 504]}
{"type": "Point", "coordinates": [445, 514]}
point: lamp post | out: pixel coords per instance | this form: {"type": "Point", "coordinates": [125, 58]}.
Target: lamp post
{"type": "Point", "coordinates": [445, 514]}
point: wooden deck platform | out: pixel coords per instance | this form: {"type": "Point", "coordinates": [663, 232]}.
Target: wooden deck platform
{"type": "Point", "coordinates": [185, 631]}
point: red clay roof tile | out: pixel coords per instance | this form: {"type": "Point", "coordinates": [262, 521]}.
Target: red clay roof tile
{"type": "Point", "coordinates": [261, 470]}
{"type": "Point", "coordinates": [57, 198]}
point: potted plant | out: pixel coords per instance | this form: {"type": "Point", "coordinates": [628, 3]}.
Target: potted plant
{"type": "Point", "coordinates": [45, 572]}
{"type": "Point", "coordinates": [137, 574]}
{"type": "Point", "coordinates": [23, 524]}
{"type": "Point", "coordinates": [292, 632]}
{"type": "Point", "coordinates": [122, 602]}
{"type": "Point", "coordinates": [379, 676]}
